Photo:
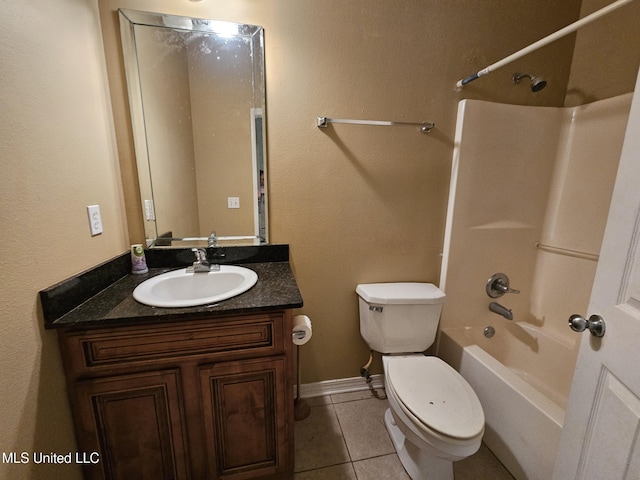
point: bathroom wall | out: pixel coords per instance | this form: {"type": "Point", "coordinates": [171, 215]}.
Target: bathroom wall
{"type": "Point", "coordinates": [58, 155]}
{"type": "Point", "coordinates": [356, 204]}
{"type": "Point", "coordinates": [362, 204]}
{"type": "Point", "coordinates": [607, 54]}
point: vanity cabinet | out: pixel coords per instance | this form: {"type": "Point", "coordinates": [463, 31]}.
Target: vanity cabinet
{"type": "Point", "coordinates": [190, 399]}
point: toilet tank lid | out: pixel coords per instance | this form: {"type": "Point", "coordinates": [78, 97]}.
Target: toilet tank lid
{"type": "Point", "coordinates": [400, 292]}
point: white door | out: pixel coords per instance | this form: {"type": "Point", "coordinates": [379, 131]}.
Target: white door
{"type": "Point", "coordinates": [601, 434]}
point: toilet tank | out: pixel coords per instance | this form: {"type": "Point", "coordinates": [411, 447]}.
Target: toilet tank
{"type": "Point", "coordinates": [399, 317]}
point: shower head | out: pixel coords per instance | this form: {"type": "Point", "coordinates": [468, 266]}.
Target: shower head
{"type": "Point", "coordinates": [537, 83]}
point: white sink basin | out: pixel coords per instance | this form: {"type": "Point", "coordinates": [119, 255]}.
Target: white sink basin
{"type": "Point", "coordinates": [181, 289]}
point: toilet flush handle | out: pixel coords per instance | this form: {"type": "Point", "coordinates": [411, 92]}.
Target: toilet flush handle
{"type": "Point", "coordinates": [375, 308]}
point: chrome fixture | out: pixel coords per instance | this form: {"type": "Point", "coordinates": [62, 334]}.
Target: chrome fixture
{"type": "Point", "coordinates": [495, 307]}
{"type": "Point", "coordinates": [201, 265]}
{"type": "Point", "coordinates": [537, 83]}
{"type": "Point", "coordinates": [322, 122]}
{"type": "Point", "coordinates": [595, 324]}
{"type": "Point", "coordinates": [489, 331]}
{"type": "Point", "coordinates": [498, 285]}
{"type": "Point", "coordinates": [213, 240]}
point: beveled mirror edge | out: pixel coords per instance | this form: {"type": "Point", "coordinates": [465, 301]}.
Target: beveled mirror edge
{"type": "Point", "coordinates": [191, 24]}
{"type": "Point", "coordinates": [128, 19]}
{"type": "Point", "coordinates": [137, 118]}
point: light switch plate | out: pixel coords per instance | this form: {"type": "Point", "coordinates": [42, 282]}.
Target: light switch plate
{"type": "Point", "coordinates": [95, 219]}
{"type": "Point", "coordinates": [233, 202]}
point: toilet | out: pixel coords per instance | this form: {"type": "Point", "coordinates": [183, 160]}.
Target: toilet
{"type": "Point", "coordinates": [434, 416]}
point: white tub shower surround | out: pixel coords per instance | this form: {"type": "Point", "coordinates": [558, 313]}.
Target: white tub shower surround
{"type": "Point", "coordinates": [530, 193]}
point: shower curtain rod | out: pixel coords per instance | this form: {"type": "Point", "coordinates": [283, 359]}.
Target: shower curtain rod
{"type": "Point", "coordinates": [544, 41]}
{"type": "Point", "coordinates": [322, 122]}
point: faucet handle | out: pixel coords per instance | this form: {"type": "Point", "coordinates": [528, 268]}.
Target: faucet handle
{"type": "Point", "coordinates": [202, 263]}
{"type": "Point", "coordinates": [201, 254]}
{"type": "Point", "coordinates": [212, 240]}
{"type": "Point", "coordinates": [498, 285]}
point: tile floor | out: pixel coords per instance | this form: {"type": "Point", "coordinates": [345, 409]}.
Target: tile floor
{"type": "Point", "coordinates": [344, 438]}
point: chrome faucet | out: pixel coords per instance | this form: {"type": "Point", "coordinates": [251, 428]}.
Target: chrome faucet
{"type": "Point", "coordinates": [495, 307]}
{"type": "Point", "coordinates": [201, 264]}
{"type": "Point", "coordinates": [213, 240]}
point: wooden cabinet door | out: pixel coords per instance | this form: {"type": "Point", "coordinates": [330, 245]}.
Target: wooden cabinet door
{"type": "Point", "coordinates": [245, 411]}
{"type": "Point", "coordinates": [135, 424]}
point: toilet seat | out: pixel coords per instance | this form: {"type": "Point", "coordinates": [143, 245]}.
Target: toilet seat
{"type": "Point", "coordinates": [435, 397]}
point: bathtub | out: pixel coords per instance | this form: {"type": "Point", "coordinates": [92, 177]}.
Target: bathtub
{"type": "Point", "coordinates": [522, 377]}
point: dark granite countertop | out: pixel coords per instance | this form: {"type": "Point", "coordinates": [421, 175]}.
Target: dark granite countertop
{"type": "Point", "coordinates": [114, 304]}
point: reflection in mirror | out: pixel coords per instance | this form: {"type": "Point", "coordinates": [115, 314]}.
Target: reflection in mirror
{"type": "Point", "coordinates": [197, 99]}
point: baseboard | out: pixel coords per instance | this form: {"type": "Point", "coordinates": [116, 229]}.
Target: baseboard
{"type": "Point", "coordinates": [340, 385]}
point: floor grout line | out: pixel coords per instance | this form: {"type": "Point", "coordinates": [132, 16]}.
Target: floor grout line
{"type": "Point", "coordinates": [344, 440]}
{"type": "Point", "coordinates": [322, 468]}
{"type": "Point", "coordinates": [485, 466]}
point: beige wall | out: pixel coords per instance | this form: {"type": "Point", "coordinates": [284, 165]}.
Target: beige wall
{"type": "Point", "coordinates": [364, 204]}
{"type": "Point", "coordinates": [356, 204]}
{"type": "Point", "coordinates": [58, 155]}
{"type": "Point", "coordinates": [607, 54]}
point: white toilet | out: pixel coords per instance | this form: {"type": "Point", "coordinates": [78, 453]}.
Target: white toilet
{"type": "Point", "coordinates": [435, 417]}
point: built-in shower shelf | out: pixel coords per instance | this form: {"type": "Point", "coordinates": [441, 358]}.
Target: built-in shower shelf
{"type": "Point", "coordinates": [503, 225]}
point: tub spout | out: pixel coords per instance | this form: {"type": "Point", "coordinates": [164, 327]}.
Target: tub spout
{"type": "Point", "coordinates": [495, 307]}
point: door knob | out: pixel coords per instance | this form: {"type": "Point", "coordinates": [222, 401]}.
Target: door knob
{"type": "Point", "coordinates": [595, 324]}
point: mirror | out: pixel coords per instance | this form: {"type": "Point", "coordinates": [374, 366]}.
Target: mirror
{"type": "Point", "coordinates": [197, 100]}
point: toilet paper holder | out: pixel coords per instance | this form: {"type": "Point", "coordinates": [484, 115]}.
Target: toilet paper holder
{"type": "Point", "coordinates": [301, 408]}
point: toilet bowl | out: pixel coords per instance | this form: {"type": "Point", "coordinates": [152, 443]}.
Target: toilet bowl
{"type": "Point", "coordinates": [435, 417]}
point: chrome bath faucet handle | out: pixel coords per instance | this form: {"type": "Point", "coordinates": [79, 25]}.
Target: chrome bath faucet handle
{"type": "Point", "coordinates": [498, 285]}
